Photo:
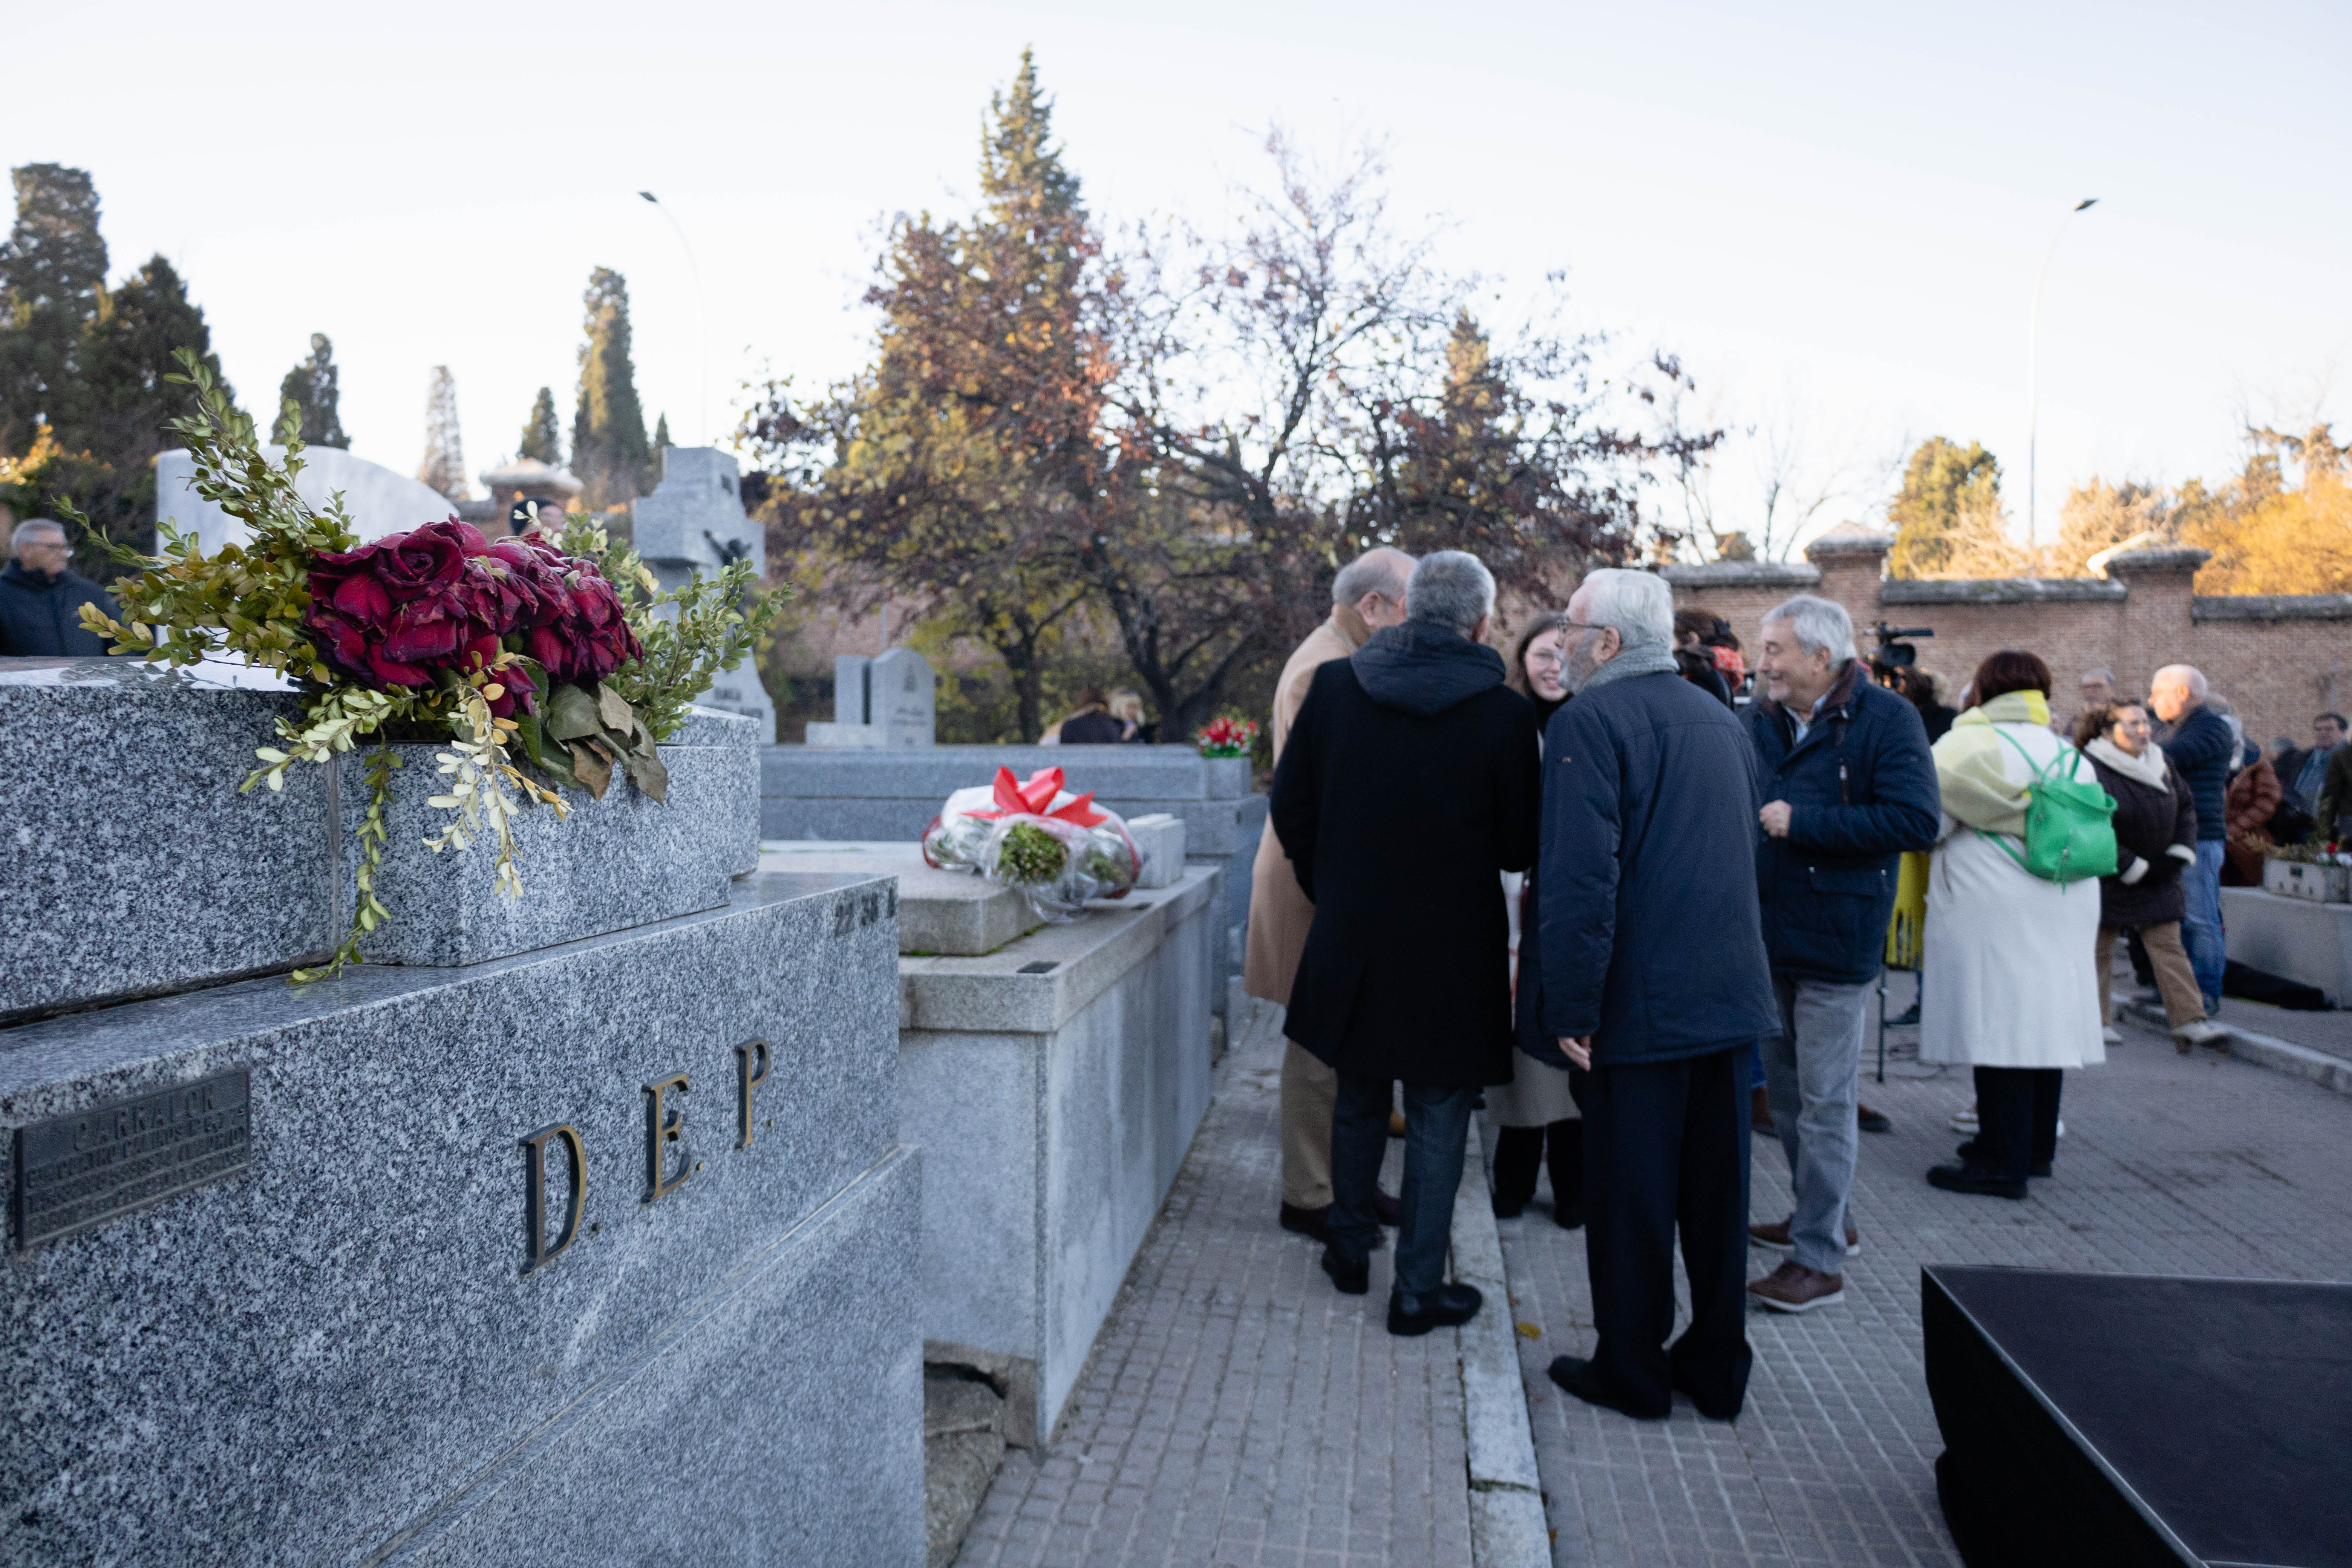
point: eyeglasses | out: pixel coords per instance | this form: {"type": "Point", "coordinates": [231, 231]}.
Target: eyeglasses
{"type": "Point", "coordinates": [1550, 656]}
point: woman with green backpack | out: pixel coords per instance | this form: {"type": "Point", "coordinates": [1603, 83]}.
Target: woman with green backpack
{"type": "Point", "coordinates": [2007, 985]}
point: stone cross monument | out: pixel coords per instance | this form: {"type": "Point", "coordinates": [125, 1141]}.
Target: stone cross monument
{"type": "Point", "coordinates": [694, 522]}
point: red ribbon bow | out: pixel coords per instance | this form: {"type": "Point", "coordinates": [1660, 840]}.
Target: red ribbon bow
{"type": "Point", "coordinates": [1035, 797]}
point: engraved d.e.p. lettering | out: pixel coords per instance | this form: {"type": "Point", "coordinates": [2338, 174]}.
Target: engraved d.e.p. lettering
{"type": "Point", "coordinates": [746, 1080]}
{"type": "Point", "coordinates": [536, 1249]}
{"type": "Point", "coordinates": [662, 1128]}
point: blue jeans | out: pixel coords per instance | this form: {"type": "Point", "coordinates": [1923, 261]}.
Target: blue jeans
{"type": "Point", "coordinates": [2201, 928]}
{"type": "Point", "coordinates": [1436, 1130]}
{"type": "Point", "coordinates": [1814, 1067]}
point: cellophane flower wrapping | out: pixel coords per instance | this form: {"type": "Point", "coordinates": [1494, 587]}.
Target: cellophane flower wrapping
{"type": "Point", "coordinates": [1055, 856]}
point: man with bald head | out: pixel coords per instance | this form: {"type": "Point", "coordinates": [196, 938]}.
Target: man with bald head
{"type": "Point", "coordinates": [1367, 594]}
{"type": "Point", "coordinates": [2201, 745]}
{"type": "Point", "coordinates": [41, 596]}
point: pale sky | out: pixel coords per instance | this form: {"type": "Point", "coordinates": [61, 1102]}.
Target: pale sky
{"type": "Point", "coordinates": [1834, 212]}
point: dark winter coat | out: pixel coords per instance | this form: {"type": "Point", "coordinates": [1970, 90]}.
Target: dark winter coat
{"type": "Point", "coordinates": [1700, 671]}
{"type": "Point", "coordinates": [40, 616]}
{"type": "Point", "coordinates": [1861, 784]}
{"type": "Point", "coordinates": [2199, 746]}
{"type": "Point", "coordinates": [1407, 783]}
{"type": "Point", "coordinates": [2148, 822]}
{"type": "Point", "coordinates": [1093, 728]}
{"type": "Point", "coordinates": [1646, 933]}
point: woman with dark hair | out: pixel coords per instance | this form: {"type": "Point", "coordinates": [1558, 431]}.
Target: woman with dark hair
{"type": "Point", "coordinates": [1090, 722]}
{"type": "Point", "coordinates": [2156, 836]}
{"type": "Point", "coordinates": [2006, 983]}
{"type": "Point", "coordinates": [1693, 660]}
{"type": "Point", "coordinates": [1535, 1110]}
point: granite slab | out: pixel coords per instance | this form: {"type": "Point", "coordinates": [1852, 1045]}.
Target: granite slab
{"type": "Point", "coordinates": [135, 866]}
{"type": "Point", "coordinates": [939, 911]}
{"type": "Point", "coordinates": [309, 1361]}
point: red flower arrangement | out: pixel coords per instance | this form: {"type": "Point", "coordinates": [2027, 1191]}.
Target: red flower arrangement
{"type": "Point", "coordinates": [1227, 737]}
{"type": "Point", "coordinates": [396, 610]}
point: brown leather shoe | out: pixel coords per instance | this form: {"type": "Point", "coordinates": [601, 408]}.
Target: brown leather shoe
{"type": "Point", "coordinates": [1776, 1237]}
{"type": "Point", "coordinates": [1794, 1288]}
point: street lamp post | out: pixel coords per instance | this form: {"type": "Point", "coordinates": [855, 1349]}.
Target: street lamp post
{"type": "Point", "coordinates": [2033, 378]}
{"type": "Point", "coordinates": [701, 318]}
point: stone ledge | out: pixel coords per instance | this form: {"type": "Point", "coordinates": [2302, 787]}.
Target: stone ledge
{"type": "Point", "coordinates": [2271, 607]}
{"type": "Point", "coordinates": [990, 995]}
{"type": "Point", "coordinates": [1742, 574]}
{"type": "Point", "coordinates": [1861, 543]}
{"type": "Point", "coordinates": [940, 912]}
{"type": "Point", "coordinates": [2159, 558]}
{"type": "Point", "coordinates": [2001, 591]}
{"type": "Point", "coordinates": [2262, 1050]}
{"type": "Point", "coordinates": [1507, 1529]}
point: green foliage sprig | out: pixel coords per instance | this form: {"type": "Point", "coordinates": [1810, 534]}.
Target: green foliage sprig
{"type": "Point", "coordinates": [689, 634]}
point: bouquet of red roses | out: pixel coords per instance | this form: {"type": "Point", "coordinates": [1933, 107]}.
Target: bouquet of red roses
{"type": "Point", "coordinates": [1227, 737]}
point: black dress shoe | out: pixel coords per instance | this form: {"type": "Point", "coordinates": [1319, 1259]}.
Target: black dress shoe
{"type": "Point", "coordinates": [1568, 1216]}
{"type": "Point", "coordinates": [1389, 1211]}
{"type": "Point", "coordinates": [1509, 1208]}
{"type": "Point", "coordinates": [1354, 1276]}
{"type": "Point", "coordinates": [1441, 1309]}
{"type": "Point", "coordinates": [1575, 1374]}
{"type": "Point", "coordinates": [1967, 1153]}
{"type": "Point", "coordinates": [1713, 1412]}
{"type": "Point", "coordinates": [1316, 1223]}
{"type": "Point", "coordinates": [1975, 1179]}
{"type": "Point", "coordinates": [1870, 1120]}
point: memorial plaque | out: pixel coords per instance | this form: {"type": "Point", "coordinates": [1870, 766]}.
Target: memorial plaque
{"type": "Point", "coordinates": [77, 1170]}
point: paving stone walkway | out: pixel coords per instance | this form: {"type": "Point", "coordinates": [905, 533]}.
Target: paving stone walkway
{"type": "Point", "coordinates": [1238, 1409]}
{"type": "Point", "coordinates": [2173, 1164]}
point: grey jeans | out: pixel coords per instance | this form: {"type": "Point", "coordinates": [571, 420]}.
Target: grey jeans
{"type": "Point", "coordinates": [1812, 1076]}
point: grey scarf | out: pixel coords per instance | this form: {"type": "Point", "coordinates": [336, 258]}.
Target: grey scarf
{"type": "Point", "coordinates": [2149, 767]}
{"type": "Point", "coordinates": [1650, 659]}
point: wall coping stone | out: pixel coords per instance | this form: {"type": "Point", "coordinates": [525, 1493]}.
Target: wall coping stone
{"type": "Point", "coordinates": [2159, 558]}
{"type": "Point", "coordinates": [2001, 591]}
{"type": "Point", "coordinates": [1742, 574]}
{"type": "Point", "coordinates": [1850, 544]}
{"type": "Point", "coordinates": [990, 995]}
{"type": "Point", "coordinates": [2271, 607]}
{"type": "Point", "coordinates": [940, 911]}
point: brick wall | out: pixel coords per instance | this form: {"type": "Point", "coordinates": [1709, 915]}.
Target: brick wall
{"type": "Point", "coordinates": [2278, 659]}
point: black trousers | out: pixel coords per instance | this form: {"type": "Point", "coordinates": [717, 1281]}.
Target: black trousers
{"type": "Point", "coordinates": [1519, 1153]}
{"type": "Point", "coordinates": [1665, 1148]}
{"type": "Point", "coordinates": [2017, 1118]}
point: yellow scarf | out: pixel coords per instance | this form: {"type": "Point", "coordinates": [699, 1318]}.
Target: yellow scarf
{"type": "Point", "coordinates": [1968, 763]}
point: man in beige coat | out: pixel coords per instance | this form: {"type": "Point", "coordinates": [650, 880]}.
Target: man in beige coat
{"type": "Point", "coordinates": [1367, 594]}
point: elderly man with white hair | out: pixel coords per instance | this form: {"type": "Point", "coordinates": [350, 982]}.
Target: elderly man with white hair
{"type": "Point", "coordinates": [1849, 785]}
{"type": "Point", "coordinates": [41, 596]}
{"type": "Point", "coordinates": [2200, 744]}
{"type": "Point", "coordinates": [1409, 782]}
{"type": "Point", "coordinates": [1647, 973]}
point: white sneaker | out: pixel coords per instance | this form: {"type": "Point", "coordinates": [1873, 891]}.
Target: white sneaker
{"type": "Point", "coordinates": [2112, 1036]}
{"type": "Point", "coordinates": [1965, 1121]}
{"type": "Point", "coordinates": [2204, 1032]}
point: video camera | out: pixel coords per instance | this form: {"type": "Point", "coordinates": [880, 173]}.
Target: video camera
{"type": "Point", "coordinates": [1894, 653]}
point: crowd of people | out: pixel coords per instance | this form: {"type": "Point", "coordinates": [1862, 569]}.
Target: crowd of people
{"type": "Point", "coordinates": [1487, 876]}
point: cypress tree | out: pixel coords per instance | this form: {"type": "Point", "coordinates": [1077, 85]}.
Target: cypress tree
{"type": "Point", "coordinates": [52, 283]}
{"type": "Point", "coordinates": [661, 437]}
{"type": "Point", "coordinates": [311, 387]}
{"type": "Point", "coordinates": [608, 432]}
{"type": "Point", "coordinates": [444, 467]}
{"type": "Point", "coordinates": [542, 433]}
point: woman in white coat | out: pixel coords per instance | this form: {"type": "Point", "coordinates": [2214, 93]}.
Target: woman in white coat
{"type": "Point", "coordinates": [2007, 985]}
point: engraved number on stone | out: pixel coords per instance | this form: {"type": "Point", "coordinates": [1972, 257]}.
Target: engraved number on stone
{"type": "Point", "coordinates": [746, 1080]}
{"type": "Point", "coordinates": [537, 1250]}
{"type": "Point", "coordinates": [662, 1129]}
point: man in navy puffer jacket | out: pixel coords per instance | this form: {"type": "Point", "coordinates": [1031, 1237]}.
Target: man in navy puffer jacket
{"type": "Point", "coordinates": [1848, 783]}
{"type": "Point", "coordinates": [2201, 745]}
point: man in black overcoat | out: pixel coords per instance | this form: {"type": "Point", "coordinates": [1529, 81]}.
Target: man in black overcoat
{"type": "Point", "coordinates": [1408, 783]}
{"type": "Point", "coordinates": [1650, 973]}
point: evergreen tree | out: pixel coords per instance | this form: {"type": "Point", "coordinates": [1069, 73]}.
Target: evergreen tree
{"type": "Point", "coordinates": [52, 281]}
{"type": "Point", "coordinates": [1945, 487]}
{"type": "Point", "coordinates": [542, 433]}
{"type": "Point", "coordinates": [609, 453]}
{"type": "Point", "coordinates": [444, 467]}
{"type": "Point", "coordinates": [661, 437]}
{"type": "Point", "coordinates": [311, 387]}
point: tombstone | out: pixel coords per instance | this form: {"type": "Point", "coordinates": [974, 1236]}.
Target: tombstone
{"type": "Point", "coordinates": [892, 700]}
{"type": "Point", "coordinates": [378, 501]}
{"type": "Point", "coordinates": [694, 522]}
{"type": "Point", "coordinates": [903, 698]}
{"type": "Point", "coordinates": [587, 1237]}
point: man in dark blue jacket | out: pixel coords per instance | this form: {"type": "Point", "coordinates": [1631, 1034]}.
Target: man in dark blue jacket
{"type": "Point", "coordinates": [1648, 972]}
{"type": "Point", "coordinates": [1849, 784]}
{"type": "Point", "coordinates": [41, 596]}
{"type": "Point", "coordinates": [2200, 746]}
